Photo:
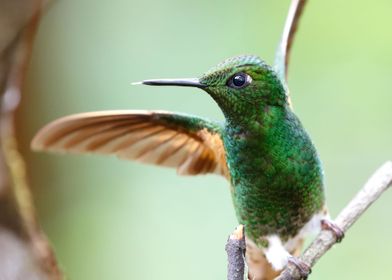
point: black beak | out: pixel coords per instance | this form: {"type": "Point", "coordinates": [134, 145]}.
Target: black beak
{"type": "Point", "coordinates": [191, 82]}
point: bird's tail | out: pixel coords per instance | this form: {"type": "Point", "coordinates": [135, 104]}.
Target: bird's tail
{"type": "Point", "coordinates": [258, 266]}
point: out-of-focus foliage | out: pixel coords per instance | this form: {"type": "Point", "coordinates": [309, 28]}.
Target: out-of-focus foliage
{"type": "Point", "coordinates": [112, 219]}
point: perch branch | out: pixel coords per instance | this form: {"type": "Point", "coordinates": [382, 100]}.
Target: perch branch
{"type": "Point", "coordinates": [379, 182]}
{"type": "Point", "coordinates": [235, 248]}
{"type": "Point", "coordinates": [290, 27]}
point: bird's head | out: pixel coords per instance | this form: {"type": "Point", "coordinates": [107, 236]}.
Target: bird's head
{"type": "Point", "coordinates": [241, 86]}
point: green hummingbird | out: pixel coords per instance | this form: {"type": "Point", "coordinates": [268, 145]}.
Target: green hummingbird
{"type": "Point", "coordinates": [275, 175]}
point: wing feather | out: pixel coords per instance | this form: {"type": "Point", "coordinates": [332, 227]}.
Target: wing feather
{"type": "Point", "coordinates": [191, 144]}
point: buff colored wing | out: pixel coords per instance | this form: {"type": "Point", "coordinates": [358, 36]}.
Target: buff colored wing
{"type": "Point", "coordinates": [191, 144]}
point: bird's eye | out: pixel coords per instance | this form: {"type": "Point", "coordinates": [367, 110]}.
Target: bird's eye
{"type": "Point", "coordinates": [239, 80]}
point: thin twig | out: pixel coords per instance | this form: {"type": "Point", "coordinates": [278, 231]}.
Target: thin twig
{"type": "Point", "coordinates": [235, 248]}
{"type": "Point", "coordinates": [26, 253]}
{"type": "Point", "coordinates": [290, 27]}
{"type": "Point", "coordinates": [379, 182]}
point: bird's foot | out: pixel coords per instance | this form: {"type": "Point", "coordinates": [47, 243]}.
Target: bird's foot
{"type": "Point", "coordinates": [336, 230]}
{"type": "Point", "coordinates": [303, 268]}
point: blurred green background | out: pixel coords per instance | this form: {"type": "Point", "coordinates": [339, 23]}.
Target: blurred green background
{"type": "Point", "coordinates": [112, 219]}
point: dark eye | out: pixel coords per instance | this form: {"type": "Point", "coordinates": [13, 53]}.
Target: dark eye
{"type": "Point", "coordinates": [239, 80]}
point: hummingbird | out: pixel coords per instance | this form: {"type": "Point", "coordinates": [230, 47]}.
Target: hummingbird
{"type": "Point", "coordinates": [261, 148]}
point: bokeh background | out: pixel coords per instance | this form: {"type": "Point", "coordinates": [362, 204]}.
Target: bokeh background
{"type": "Point", "coordinates": [112, 219]}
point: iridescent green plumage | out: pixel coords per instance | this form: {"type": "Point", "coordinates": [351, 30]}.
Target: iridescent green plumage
{"type": "Point", "coordinates": [262, 148]}
{"type": "Point", "coordinates": [275, 171]}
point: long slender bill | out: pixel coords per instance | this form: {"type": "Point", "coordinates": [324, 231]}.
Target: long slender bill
{"type": "Point", "coordinates": [190, 82]}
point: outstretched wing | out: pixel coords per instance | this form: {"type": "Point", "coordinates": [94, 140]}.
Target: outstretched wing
{"type": "Point", "coordinates": [191, 144]}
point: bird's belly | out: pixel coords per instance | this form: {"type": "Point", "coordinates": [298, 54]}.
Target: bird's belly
{"type": "Point", "coordinates": [276, 252]}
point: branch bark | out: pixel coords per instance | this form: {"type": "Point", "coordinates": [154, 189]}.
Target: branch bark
{"type": "Point", "coordinates": [235, 248]}
{"type": "Point", "coordinates": [379, 182]}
